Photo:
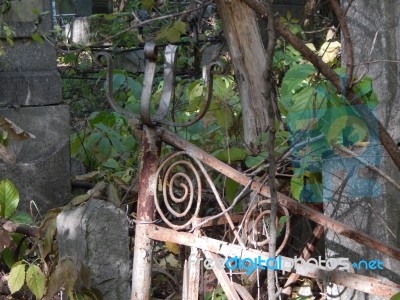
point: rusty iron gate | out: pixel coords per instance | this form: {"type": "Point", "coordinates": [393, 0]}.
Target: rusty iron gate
{"type": "Point", "coordinates": [187, 170]}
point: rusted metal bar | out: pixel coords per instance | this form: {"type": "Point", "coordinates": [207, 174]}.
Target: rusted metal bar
{"type": "Point", "coordinates": [354, 281]}
{"type": "Point", "coordinates": [306, 254]}
{"type": "Point", "coordinates": [143, 251]}
{"type": "Point", "coordinates": [294, 206]}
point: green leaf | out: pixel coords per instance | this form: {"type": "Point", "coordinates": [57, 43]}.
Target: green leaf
{"type": "Point", "coordinates": [395, 297]}
{"type": "Point", "coordinates": [118, 80]}
{"type": "Point", "coordinates": [103, 117]}
{"type": "Point", "coordinates": [35, 280]}
{"type": "Point", "coordinates": [252, 161]}
{"type": "Point", "coordinates": [148, 4]}
{"type": "Point", "coordinates": [37, 38]}
{"type": "Point", "coordinates": [21, 217]}
{"type": "Point", "coordinates": [363, 87]}
{"type": "Point", "coordinates": [296, 186]}
{"type": "Point", "coordinates": [7, 255]}
{"type": "Point", "coordinates": [230, 155]}
{"type": "Point", "coordinates": [135, 87]}
{"type": "Point", "coordinates": [231, 189]}
{"type": "Point", "coordinates": [179, 26]}
{"type": "Point", "coordinates": [92, 139]}
{"type": "Point", "coordinates": [9, 198]}
{"type": "Point", "coordinates": [104, 147]}
{"type": "Point", "coordinates": [111, 163]}
{"type": "Point", "coordinates": [295, 78]}
{"type": "Point", "coordinates": [224, 115]}
{"type": "Point", "coordinates": [17, 277]}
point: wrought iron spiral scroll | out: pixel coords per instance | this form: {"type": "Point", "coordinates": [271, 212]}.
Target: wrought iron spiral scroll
{"type": "Point", "coordinates": [257, 213]}
{"type": "Point", "coordinates": [171, 183]}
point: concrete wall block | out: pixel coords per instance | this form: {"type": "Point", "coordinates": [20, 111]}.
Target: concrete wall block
{"type": "Point", "coordinates": [96, 234]}
{"type": "Point", "coordinates": [33, 88]}
{"type": "Point", "coordinates": [24, 19]}
{"type": "Point", "coordinates": [42, 167]}
{"type": "Point", "coordinates": [28, 55]}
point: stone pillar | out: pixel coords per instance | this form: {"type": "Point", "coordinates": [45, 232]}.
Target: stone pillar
{"type": "Point", "coordinates": [30, 96]}
{"type": "Point", "coordinates": [376, 211]}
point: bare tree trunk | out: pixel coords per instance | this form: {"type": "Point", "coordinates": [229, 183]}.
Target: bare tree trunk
{"type": "Point", "coordinates": [248, 55]}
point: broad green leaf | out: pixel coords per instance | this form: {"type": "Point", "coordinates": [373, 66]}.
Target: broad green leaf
{"type": "Point", "coordinates": [224, 115]}
{"type": "Point", "coordinates": [35, 280]}
{"type": "Point", "coordinates": [103, 117]}
{"type": "Point", "coordinates": [295, 78]}
{"type": "Point", "coordinates": [296, 186]}
{"type": "Point", "coordinates": [231, 190]}
{"type": "Point", "coordinates": [135, 86]}
{"type": "Point", "coordinates": [111, 163]}
{"type": "Point", "coordinates": [118, 80]}
{"type": "Point", "coordinates": [92, 139]}
{"type": "Point", "coordinates": [148, 4]}
{"type": "Point", "coordinates": [173, 35]}
{"type": "Point", "coordinates": [21, 217]}
{"type": "Point", "coordinates": [104, 147]}
{"type": "Point", "coordinates": [179, 26]}
{"type": "Point", "coordinates": [395, 297]}
{"type": "Point", "coordinates": [37, 38]}
{"type": "Point", "coordinates": [9, 198]}
{"type": "Point", "coordinates": [252, 161]}
{"type": "Point", "coordinates": [363, 87]}
{"type": "Point", "coordinates": [7, 255]}
{"type": "Point", "coordinates": [17, 277]}
{"type": "Point", "coordinates": [231, 154]}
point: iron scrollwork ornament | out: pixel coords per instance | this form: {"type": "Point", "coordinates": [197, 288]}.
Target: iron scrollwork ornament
{"type": "Point", "coordinates": [168, 92]}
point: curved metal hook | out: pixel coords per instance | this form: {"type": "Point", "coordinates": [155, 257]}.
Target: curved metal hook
{"type": "Point", "coordinates": [150, 51]}
{"type": "Point", "coordinates": [210, 71]}
{"type": "Point", "coordinates": [168, 88]}
{"type": "Point", "coordinates": [109, 84]}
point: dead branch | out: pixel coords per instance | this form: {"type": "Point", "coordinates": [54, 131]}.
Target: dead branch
{"type": "Point", "coordinates": [12, 227]}
{"type": "Point", "coordinates": [271, 149]}
{"type": "Point", "coordinates": [348, 45]}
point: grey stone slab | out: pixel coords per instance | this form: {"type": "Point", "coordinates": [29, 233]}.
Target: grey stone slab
{"type": "Point", "coordinates": [96, 235]}
{"type": "Point", "coordinates": [24, 17]}
{"type": "Point", "coordinates": [42, 167]}
{"type": "Point", "coordinates": [29, 88]}
{"type": "Point", "coordinates": [28, 55]}
{"type": "Point", "coordinates": [376, 216]}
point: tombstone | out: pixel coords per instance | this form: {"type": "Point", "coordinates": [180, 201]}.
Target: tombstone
{"type": "Point", "coordinates": [374, 208]}
{"type": "Point", "coordinates": [30, 96]}
{"type": "Point", "coordinates": [96, 235]}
